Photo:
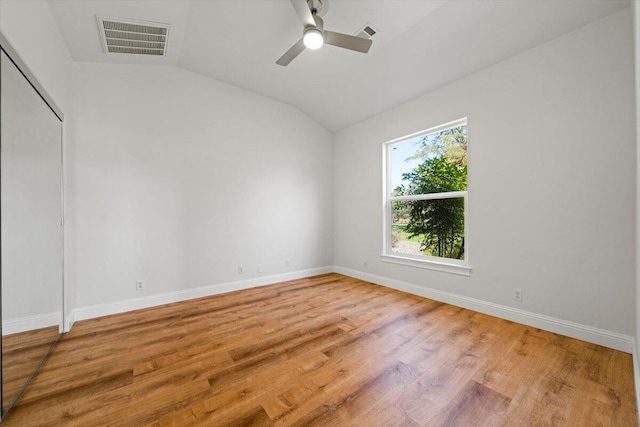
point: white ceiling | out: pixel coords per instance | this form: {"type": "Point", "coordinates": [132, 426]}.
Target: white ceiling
{"type": "Point", "coordinates": [421, 44]}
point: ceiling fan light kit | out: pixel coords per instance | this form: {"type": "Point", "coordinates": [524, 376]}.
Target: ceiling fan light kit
{"type": "Point", "coordinates": [314, 35]}
{"type": "Point", "coordinates": [313, 38]}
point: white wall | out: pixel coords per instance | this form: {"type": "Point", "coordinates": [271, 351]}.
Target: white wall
{"type": "Point", "coordinates": [30, 28]}
{"type": "Point", "coordinates": [635, 7]}
{"type": "Point", "coordinates": [551, 180]}
{"type": "Point", "coordinates": [180, 179]}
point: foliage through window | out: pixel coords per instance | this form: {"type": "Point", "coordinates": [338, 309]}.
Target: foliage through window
{"type": "Point", "coordinates": [426, 196]}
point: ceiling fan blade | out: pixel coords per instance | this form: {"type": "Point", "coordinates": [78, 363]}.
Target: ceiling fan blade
{"type": "Point", "coordinates": [304, 13]}
{"type": "Point", "coordinates": [291, 54]}
{"type": "Point", "coordinates": [346, 41]}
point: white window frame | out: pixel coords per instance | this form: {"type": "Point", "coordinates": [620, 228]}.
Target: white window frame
{"type": "Point", "coordinates": [422, 261]}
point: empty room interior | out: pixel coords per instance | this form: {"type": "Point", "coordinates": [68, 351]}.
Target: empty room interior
{"type": "Point", "coordinates": [320, 212]}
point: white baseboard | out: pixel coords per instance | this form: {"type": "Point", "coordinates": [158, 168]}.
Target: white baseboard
{"type": "Point", "coordinates": [90, 312]}
{"type": "Point", "coordinates": [29, 323]}
{"type": "Point", "coordinates": [564, 327]}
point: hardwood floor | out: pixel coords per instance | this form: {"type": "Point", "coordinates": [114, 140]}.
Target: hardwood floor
{"type": "Point", "coordinates": [324, 351]}
{"type": "Point", "coordinates": [21, 355]}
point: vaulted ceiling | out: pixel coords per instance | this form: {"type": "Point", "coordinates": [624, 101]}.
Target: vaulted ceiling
{"type": "Point", "coordinates": [420, 45]}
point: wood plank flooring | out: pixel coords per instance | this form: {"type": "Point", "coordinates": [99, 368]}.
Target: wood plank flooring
{"type": "Point", "coordinates": [324, 351]}
{"type": "Point", "coordinates": [21, 355]}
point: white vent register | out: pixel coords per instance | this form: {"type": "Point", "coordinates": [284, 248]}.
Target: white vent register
{"type": "Point", "coordinates": [133, 37]}
{"type": "Point", "coordinates": [366, 32]}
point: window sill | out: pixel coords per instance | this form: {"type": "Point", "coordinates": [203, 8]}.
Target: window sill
{"type": "Point", "coordinates": [437, 265]}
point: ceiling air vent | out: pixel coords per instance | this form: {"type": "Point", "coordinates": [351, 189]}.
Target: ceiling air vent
{"type": "Point", "coordinates": [133, 37]}
{"type": "Point", "coordinates": [366, 32]}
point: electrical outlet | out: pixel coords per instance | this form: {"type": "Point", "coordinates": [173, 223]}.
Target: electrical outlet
{"type": "Point", "coordinates": [240, 269]}
{"type": "Point", "coordinates": [259, 268]}
{"type": "Point", "coordinates": [365, 264]}
{"type": "Point", "coordinates": [517, 294]}
{"type": "Point", "coordinates": [139, 285]}
{"type": "Point", "coordinates": [286, 263]}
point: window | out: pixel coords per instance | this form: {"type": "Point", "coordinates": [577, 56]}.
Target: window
{"type": "Point", "coordinates": [426, 199]}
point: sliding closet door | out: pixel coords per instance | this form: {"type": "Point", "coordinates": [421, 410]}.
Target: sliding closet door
{"type": "Point", "coordinates": [31, 243]}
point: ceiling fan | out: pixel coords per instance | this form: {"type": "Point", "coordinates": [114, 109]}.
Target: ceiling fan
{"type": "Point", "coordinates": [314, 35]}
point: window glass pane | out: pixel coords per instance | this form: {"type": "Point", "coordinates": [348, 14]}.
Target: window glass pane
{"type": "Point", "coordinates": [428, 227]}
{"type": "Point", "coordinates": [432, 163]}
{"type": "Point", "coordinates": [403, 161]}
